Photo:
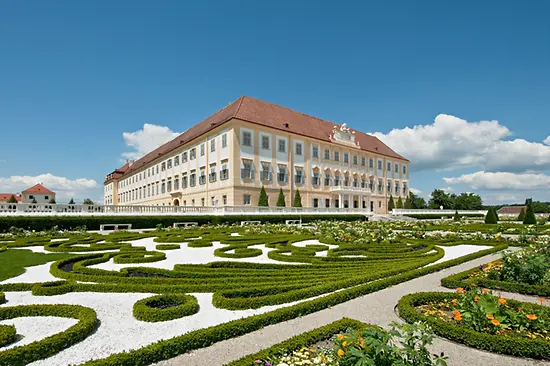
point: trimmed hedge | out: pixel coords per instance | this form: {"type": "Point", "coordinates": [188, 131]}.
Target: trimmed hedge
{"type": "Point", "coordinates": [435, 217]}
{"type": "Point", "coordinates": [87, 324]}
{"type": "Point", "coordinates": [167, 246]}
{"type": "Point", "coordinates": [170, 348]}
{"type": "Point", "coordinates": [2, 298]}
{"type": "Point", "coordinates": [8, 335]}
{"type": "Point", "coordinates": [175, 306]}
{"type": "Point", "coordinates": [510, 344]}
{"type": "Point", "coordinates": [462, 280]}
{"type": "Point", "coordinates": [40, 223]}
{"type": "Point", "coordinates": [302, 340]}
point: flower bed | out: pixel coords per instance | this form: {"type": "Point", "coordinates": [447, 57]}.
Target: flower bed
{"type": "Point", "coordinates": [479, 319]}
{"type": "Point", "coordinates": [165, 307]}
{"type": "Point", "coordinates": [526, 271]}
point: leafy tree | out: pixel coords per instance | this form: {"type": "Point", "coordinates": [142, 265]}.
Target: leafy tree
{"type": "Point", "coordinates": [88, 201]}
{"type": "Point", "coordinates": [399, 203]}
{"type": "Point", "coordinates": [263, 201]}
{"type": "Point", "coordinates": [467, 201]}
{"type": "Point", "coordinates": [52, 201]}
{"type": "Point", "coordinates": [440, 198]}
{"type": "Point", "coordinates": [417, 202]}
{"type": "Point", "coordinates": [281, 199]}
{"type": "Point", "coordinates": [34, 200]}
{"type": "Point", "coordinates": [521, 216]}
{"type": "Point", "coordinates": [12, 199]}
{"type": "Point", "coordinates": [491, 217]}
{"type": "Point", "coordinates": [297, 199]}
{"type": "Point", "coordinates": [456, 216]}
{"type": "Point", "coordinates": [391, 204]}
{"type": "Point", "coordinates": [530, 218]}
{"type": "Point", "coordinates": [71, 202]}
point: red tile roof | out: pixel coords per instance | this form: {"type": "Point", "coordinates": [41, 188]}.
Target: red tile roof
{"type": "Point", "coordinates": [511, 210]}
{"type": "Point", "coordinates": [269, 115]}
{"type": "Point", "coordinates": [118, 172]}
{"type": "Point", "coordinates": [4, 197]}
{"type": "Point", "coordinates": [38, 189]}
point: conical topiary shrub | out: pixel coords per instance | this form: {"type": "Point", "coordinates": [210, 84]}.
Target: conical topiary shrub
{"type": "Point", "coordinates": [399, 203]}
{"type": "Point", "coordinates": [456, 216]}
{"type": "Point", "coordinates": [530, 218]}
{"type": "Point", "coordinates": [491, 217]}
{"type": "Point", "coordinates": [391, 204]}
{"type": "Point", "coordinates": [297, 199]}
{"type": "Point", "coordinates": [521, 216]}
{"type": "Point", "coordinates": [263, 201]}
{"type": "Point", "coordinates": [281, 199]}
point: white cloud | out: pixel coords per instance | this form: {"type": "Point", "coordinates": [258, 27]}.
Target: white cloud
{"type": "Point", "coordinates": [64, 188]}
{"type": "Point", "coordinates": [502, 180]}
{"type": "Point", "coordinates": [547, 141]}
{"type": "Point", "coordinates": [418, 192]}
{"type": "Point", "coordinates": [451, 143]}
{"type": "Point", "coordinates": [147, 139]}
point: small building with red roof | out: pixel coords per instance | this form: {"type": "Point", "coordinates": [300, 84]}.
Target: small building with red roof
{"type": "Point", "coordinates": [5, 197]}
{"type": "Point", "coordinates": [38, 193]}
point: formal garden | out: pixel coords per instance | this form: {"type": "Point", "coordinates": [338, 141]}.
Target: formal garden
{"type": "Point", "coordinates": [73, 296]}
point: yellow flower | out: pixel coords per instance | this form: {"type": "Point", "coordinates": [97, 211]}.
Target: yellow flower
{"type": "Point", "coordinates": [344, 344]}
{"type": "Point", "coordinates": [340, 353]}
{"type": "Point", "coordinates": [340, 336]}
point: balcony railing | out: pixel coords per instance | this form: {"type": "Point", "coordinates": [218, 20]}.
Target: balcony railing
{"type": "Point", "coordinates": [344, 189]}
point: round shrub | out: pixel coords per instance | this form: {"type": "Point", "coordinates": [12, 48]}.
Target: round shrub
{"type": "Point", "coordinates": [8, 334]}
{"type": "Point", "coordinates": [167, 246]}
{"type": "Point", "coordinates": [165, 307]}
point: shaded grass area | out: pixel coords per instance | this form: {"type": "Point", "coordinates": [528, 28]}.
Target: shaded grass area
{"type": "Point", "coordinates": [14, 261]}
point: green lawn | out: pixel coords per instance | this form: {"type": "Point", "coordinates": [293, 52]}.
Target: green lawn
{"type": "Point", "coordinates": [14, 261]}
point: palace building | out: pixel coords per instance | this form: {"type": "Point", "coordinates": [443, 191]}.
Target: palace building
{"type": "Point", "coordinates": [228, 157]}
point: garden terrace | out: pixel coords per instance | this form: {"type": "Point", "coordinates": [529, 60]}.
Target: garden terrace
{"type": "Point", "coordinates": [264, 274]}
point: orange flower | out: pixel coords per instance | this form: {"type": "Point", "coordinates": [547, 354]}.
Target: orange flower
{"type": "Point", "coordinates": [531, 316]}
{"type": "Point", "coordinates": [484, 290]}
{"type": "Point", "coordinates": [456, 312]}
{"type": "Point", "coordinates": [520, 308]}
{"type": "Point", "coordinates": [361, 342]}
{"type": "Point", "coordinates": [340, 353]}
{"type": "Point", "coordinates": [490, 317]}
{"type": "Point", "coordinates": [454, 301]}
{"type": "Point", "coordinates": [458, 317]}
{"type": "Point", "coordinates": [495, 322]}
{"type": "Point", "coordinates": [476, 299]}
{"type": "Point", "coordinates": [340, 336]}
{"type": "Point", "coordinates": [474, 285]}
{"type": "Point", "coordinates": [502, 301]}
{"type": "Point", "coordinates": [460, 289]}
{"type": "Point", "coordinates": [541, 300]}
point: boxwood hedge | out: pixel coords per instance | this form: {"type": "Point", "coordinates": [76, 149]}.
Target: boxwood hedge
{"type": "Point", "coordinates": [8, 334]}
{"type": "Point", "coordinates": [40, 223]}
{"type": "Point", "coordinates": [509, 344]}
{"type": "Point", "coordinates": [87, 324]}
{"type": "Point", "coordinates": [167, 246]}
{"type": "Point", "coordinates": [165, 307]}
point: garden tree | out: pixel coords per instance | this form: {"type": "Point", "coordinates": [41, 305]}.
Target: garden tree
{"type": "Point", "coordinates": [297, 199]}
{"type": "Point", "coordinates": [52, 201]}
{"type": "Point", "coordinates": [12, 199]}
{"type": "Point", "coordinates": [456, 216]}
{"type": "Point", "coordinates": [540, 207]}
{"type": "Point", "coordinates": [391, 204]}
{"type": "Point", "coordinates": [399, 203]}
{"type": "Point", "coordinates": [263, 201]}
{"type": "Point", "coordinates": [88, 201]}
{"type": "Point", "coordinates": [530, 218]}
{"type": "Point", "coordinates": [521, 215]}
{"type": "Point", "coordinates": [491, 217]}
{"type": "Point", "coordinates": [417, 202]}
{"type": "Point", "coordinates": [467, 201]}
{"type": "Point", "coordinates": [440, 198]}
{"type": "Point", "coordinates": [281, 199]}
{"type": "Point", "coordinates": [34, 200]}
{"type": "Point", "coordinates": [71, 202]}
{"type": "Point", "coordinates": [408, 203]}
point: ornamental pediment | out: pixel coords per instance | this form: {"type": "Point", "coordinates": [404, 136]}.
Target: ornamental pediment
{"type": "Point", "coordinates": [343, 135]}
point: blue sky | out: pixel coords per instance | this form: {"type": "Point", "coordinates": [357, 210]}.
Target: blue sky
{"type": "Point", "coordinates": [75, 76]}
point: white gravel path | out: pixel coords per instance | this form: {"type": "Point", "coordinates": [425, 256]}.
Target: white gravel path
{"type": "Point", "coordinates": [35, 328]}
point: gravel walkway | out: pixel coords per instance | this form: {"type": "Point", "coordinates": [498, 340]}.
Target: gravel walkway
{"type": "Point", "coordinates": [375, 308]}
